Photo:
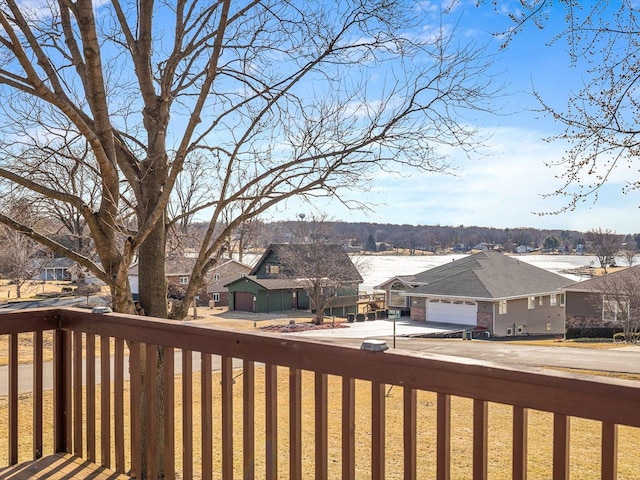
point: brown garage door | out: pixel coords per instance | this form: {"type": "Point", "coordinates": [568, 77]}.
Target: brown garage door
{"type": "Point", "coordinates": [243, 301]}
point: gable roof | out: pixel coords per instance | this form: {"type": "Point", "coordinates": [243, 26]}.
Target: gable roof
{"type": "Point", "coordinates": [487, 275]}
{"type": "Point", "coordinates": [601, 283]}
{"type": "Point", "coordinates": [292, 250]}
{"type": "Point", "coordinates": [269, 283]}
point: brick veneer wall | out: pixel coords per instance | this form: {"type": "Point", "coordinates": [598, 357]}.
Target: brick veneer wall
{"type": "Point", "coordinates": [419, 314]}
{"type": "Point", "coordinates": [583, 321]}
{"type": "Point", "coordinates": [485, 319]}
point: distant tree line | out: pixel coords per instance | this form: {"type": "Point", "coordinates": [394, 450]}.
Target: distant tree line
{"type": "Point", "coordinates": [416, 239]}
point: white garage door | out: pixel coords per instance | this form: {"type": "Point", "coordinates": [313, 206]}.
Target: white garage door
{"type": "Point", "coordinates": [461, 313]}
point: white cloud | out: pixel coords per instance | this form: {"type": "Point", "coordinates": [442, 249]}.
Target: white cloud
{"type": "Point", "coordinates": [503, 189]}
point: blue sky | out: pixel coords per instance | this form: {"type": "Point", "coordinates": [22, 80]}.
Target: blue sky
{"type": "Point", "coordinates": [504, 185]}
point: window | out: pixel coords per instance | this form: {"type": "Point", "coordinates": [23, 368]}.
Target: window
{"type": "Point", "coordinates": [615, 309]}
{"type": "Point", "coordinates": [184, 280]}
{"type": "Point", "coordinates": [540, 301]}
{"type": "Point", "coordinates": [553, 300]}
{"type": "Point", "coordinates": [502, 307]}
{"type": "Point", "coordinates": [243, 275]}
{"type": "Point", "coordinates": [562, 299]}
{"type": "Point", "coordinates": [216, 297]}
{"type": "Point", "coordinates": [532, 303]}
{"type": "Point", "coordinates": [216, 277]}
{"type": "Point", "coordinates": [273, 269]}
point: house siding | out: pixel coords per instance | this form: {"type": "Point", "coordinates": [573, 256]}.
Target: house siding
{"type": "Point", "coordinates": [532, 321]}
{"type": "Point", "coordinates": [584, 309]}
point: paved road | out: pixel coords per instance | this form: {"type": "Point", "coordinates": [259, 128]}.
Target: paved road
{"type": "Point", "coordinates": [623, 360]}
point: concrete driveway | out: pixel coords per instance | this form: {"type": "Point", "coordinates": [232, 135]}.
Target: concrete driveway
{"type": "Point", "coordinates": [402, 327]}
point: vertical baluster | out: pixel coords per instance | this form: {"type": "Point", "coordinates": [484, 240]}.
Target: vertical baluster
{"type": "Point", "coordinates": [271, 421]}
{"type": "Point", "coordinates": [560, 447]}
{"type": "Point", "coordinates": [38, 363]}
{"type": "Point", "coordinates": [62, 393]}
{"type": "Point", "coordinates": [227, 417]}
{"type": "Point", "coordinates": [105, 401]}
{"type": "Point", "coordinates": [13, 399]}
{"type": "Point", "coordinates": [377, 431]}
{"type": "Point", "coordinates": [135, 400]}
{"type": "Point", "coordinates": [77, 393]}
{"type": "Point", "coordinates": [480, 434]}
{"type": "Point", "coordinates": [91, 396]}
{"type": "Point", "coordinates": [248, 421]}
{"type": "Point", "coordinates": [151, 398]}
{"type": "Point", "coordinates": [609, 451]}
{"type": "Point", "coordinates": [444, 436]}
{"type": "Point", "coordinates": [520, 428]}
{"type": "Point", "coordinates": [295, 423]}
{"type": "Point", "coordinates": [187, 414]}
{"type": "Point", "coordinates": [321, 430]}
{"type": "Point", "coordinates": [118, 403]}
{"type": "Point", "coordinates": [169, 414]}
{"type": "Point", "coordinates": [348, 428]}
{"type": "Point", "coordinates": [207, 418]}
{"type": "Point", "coordinates": [409, 418]}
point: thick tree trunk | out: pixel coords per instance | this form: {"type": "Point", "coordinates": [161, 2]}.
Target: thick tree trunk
{"type": "Point", "coordinates": [151, 271]}
{"type": "Point", "coordinates": [153, 299]}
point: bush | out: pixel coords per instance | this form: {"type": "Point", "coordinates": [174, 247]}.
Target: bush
{"type": "Point", "coordinates": [620, 337]}
{"type": "Point", "coordinates": [592, 332]}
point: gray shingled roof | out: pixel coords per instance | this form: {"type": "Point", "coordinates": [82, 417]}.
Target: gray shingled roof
{"type": "Point", "coordinates": [349, 272]}
{"type": "Point", "coordinates": [270, 283]}
{"type": "Point", "coordinates": [603, 282]}
{"type": "Point", "coordinates": [487, 275]}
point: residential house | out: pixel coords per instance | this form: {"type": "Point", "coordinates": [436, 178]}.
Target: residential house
{"type": "Point", "coordinates": [53, 269]}
{"type": "Point", "coordinates": [178, 273]}
{"type": "Point", "coordinates": [269, 287]}
{"type": "Point", "coordinates": [488, 290]}
{"type": "Point", "coordinates": [222, 274]}
{"type": "Point", "coordinates": [600, 301]}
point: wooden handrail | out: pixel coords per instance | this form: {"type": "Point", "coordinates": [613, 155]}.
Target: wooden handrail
{"type": "Point", "coordinates": [611, 401]}
{"type": "Point", "coordinates": [607, 400]}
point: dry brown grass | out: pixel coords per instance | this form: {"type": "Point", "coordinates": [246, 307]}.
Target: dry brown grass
{"type": "Point", "coordinates": [29, 289]}
{"type": "Point", "coordinates": [549, 342]}
{"type": "Point", "coordinates": [585, 435]}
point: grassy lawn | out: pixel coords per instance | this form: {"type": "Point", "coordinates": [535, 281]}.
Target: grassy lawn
{"type": "Point", "coordinates": [550, 342]}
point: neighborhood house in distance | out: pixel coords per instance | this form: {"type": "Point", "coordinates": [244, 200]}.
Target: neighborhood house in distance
{"type": "Point", "coordinates": [272, 287]}
{"type": "Point", "coordinates": [487, 290]}
{"type": "Point", "coordinates": [604, 301]}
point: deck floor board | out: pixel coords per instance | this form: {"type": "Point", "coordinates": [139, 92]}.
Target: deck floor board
{"type": "Point", "coordinates": [59, 467]}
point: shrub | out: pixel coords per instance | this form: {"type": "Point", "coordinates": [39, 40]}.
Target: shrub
{"type": "Point", "coordinates": [592, 332]}
{"type": "Point", "coordinates": [621, 337]}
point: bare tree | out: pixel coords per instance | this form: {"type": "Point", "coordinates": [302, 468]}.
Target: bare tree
{"type": "Point", "coordinates": [604, 244]}
{"type": "Point", "coordinates": [601, 116]}
{"type": "Point", "coordinates": [322, 268]}
{"type": "Point", "coordinates": [18, 255]}
{"type": "Point", "coordinates": [18, 260]}
{"type": "Point", "coordinates": [87, 290]}
{"type": "Point", "coordinates": [619, 297]}
{"type": "Point", "coordinates": [279, 100]}
{"type": "Point", "coordinates": [629, 252]}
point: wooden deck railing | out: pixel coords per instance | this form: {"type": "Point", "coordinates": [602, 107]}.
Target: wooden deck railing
{"type": "Point", "coordinates": [294, 412]}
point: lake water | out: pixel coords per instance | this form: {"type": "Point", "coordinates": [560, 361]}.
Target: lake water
{"type": "Point", "coordinates": [375, 269]}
